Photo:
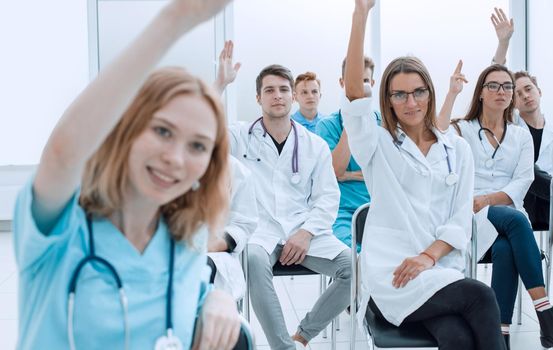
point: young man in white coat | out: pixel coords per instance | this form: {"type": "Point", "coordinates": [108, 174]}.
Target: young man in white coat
{"type": "Point", "coordinates": [531, 118]}
{"type": "Point", "coordinates": [297, 197]}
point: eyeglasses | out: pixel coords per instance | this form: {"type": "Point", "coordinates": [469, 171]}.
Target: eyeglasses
{"type": "Point", "coordinates": [400, 97]}
{"type": "Point", "coordinates": [494, 87]}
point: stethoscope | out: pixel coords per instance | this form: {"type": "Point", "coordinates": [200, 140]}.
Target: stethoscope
{"type": "Point", "coordinates": [451, 179]}
{"type": "Point", "coordinates": [165, 342]}
{"type": "Point", "coordinates": [295, 179]}
{"type": "Point", "coordinates": [491, 161]}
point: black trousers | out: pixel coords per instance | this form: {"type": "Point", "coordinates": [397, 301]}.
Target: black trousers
{"type": "Point", "coordinates": [536, 201]}
{"type": "Point", "coordinates": [461, 316]}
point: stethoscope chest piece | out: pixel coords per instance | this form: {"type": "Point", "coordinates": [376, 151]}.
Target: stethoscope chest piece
{"type": "Point", "coordinates": [489, 163]}
{"type": "Point", "coordinates": [295, 179]}
{"type": "Point", "coordinates": [451, 179]}
{"type": "Point", "coordinates": [168, 342]}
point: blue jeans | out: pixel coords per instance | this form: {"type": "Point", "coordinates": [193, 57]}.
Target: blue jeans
{"type": "Point", "coordinates": [514, 253]}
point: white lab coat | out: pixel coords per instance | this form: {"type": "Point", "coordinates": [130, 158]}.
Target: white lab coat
{"type": "Point", "coordinates": [512, 171]}
{"type": "Point", "coordinates": [241, 224]}
{"type": "Point", "coordinates": [545, 157]}
{"type": "Point", "coordinates": [284, 208]}
{"type": "Point", "coordinates": [411, 207]}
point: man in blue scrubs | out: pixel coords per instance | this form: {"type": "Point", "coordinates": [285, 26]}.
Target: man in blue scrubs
{"type": "Point", "coordinates": [353, 192]}
{"type": "Point", "coordinates": [307, 92]}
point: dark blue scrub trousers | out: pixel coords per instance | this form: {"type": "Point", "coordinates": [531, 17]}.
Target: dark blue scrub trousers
{"type": "Point", "coordinates": [515, 252]}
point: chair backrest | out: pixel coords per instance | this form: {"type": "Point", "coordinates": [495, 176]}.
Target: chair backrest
{"type": "Point", "coordinates": [386, 335]}
{"type": "Point", "coordinates": [246, 339]}
{"type": "Point", "coordinates": [383, 334]}
{"type": "Point", "coordinates": [358, 222]}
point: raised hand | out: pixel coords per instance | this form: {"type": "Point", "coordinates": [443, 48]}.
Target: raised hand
{"type": "Point", "coordinates": [199, 10]}
{"type": "Point", "coordinates": [226, 72]}
{"type": "Point", "coordinates": [457, 80]}
{"type": "Point", "coordinates": [504, 28]}
{"type": "Point", "coordinates": [364, 5]}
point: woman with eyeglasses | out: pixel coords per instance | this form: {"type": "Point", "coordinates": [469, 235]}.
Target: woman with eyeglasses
{"type": "Point", "coordinates": [419, 224]}
{"type": "Point", "coordinates": [504, 169]}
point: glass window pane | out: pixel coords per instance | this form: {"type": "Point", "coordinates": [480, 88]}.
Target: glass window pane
{"type": "Point", "coordinates": [440, 33]}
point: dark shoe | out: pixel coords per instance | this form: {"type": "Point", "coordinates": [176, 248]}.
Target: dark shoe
{"type": "Point", "coordinates": [507, 338]}
{"type": "Point", "coordinates": [546, 327]}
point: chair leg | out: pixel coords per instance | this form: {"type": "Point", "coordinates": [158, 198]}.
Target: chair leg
{"type": "Point", "coordinates": [352, 330]}
{"type": "Point", "coordinates": [337, 322]}
{"type": "Point", "coordinates": [333, 336]}
{"type": "Point", "coordinates": [246, 299]}
{"type": "Point", "coordinates": [322, 289]}
{"type": "Point", "coordinates": [549, 242]}
{"type": "Point", "coordinates": [519, 311]}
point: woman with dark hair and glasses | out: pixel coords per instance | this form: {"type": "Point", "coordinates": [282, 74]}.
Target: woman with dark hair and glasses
{"type": "Point", "coordinates": [419, 224]}
{"type": "Point", "coordinates": [504, 169]}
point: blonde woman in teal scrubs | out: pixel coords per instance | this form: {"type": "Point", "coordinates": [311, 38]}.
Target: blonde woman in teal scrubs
{"type": "Point", "coordinates": [111, 231]}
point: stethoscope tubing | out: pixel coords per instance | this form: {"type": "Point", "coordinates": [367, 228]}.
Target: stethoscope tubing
{"type": "Point", "coordinates": [499, 142]}
{"type": "Point", "coordinates": [295, 157]}
{"type": "Point", "coordinates": [92, 257]}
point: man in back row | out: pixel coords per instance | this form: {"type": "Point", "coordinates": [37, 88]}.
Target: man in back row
{"type": "Point", "coordinates": [353, 191]}
{"type": "Point", "coordinates": [307, 92]}
{"type": "Point", "coordinates": [537, 200]}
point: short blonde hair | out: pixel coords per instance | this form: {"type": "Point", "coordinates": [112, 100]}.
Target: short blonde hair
{"type": "Point", "coordinates": [106, 174]}
{"type": "Point", "coordinates": [307, 76]}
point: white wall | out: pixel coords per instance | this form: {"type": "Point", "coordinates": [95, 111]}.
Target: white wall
{"type": "Point", "coordinates": [440, 33]}
{"type": "Point", "coordinates": [43, 66]}
{"type": "Point", "coordinates": [313, 35]}
{"type": "Point", "coordinates": [119, 22]}
{"type": "Point", "coordinates": [540, 51]}
{"type": "Point", "coordinates": [47, 64]}
{"type": "Point", "coordinates": [301, 35]}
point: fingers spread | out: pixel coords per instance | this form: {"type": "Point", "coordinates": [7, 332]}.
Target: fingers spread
{"type": "Point", "coordinates": [495, 21]}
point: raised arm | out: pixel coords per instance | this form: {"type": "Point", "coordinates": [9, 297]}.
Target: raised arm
{"type": "Point", "coordinates": [356, 109]}
{"type": "Point", "coordinates": [341, 155]}
{"type": "Point", "coordinates": [504, 29]}
{"type": "Point", "coordinates": [94, 113]}
{"type": "Point", "coordinates": [355, 59]}
{"type": "Point", "coordinates": [455, 87]}
{"type": "Point", "coordinates": [227, 71]}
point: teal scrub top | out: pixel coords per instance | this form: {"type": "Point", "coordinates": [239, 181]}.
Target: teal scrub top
{"type": "Point", "coordinates": [352, 193]}
{"type": "Point", "coordinates": [306, 123]}
{"type": "Point", "coordinates": [46, 263]}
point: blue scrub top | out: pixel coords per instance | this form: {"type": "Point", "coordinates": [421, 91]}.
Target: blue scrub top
{"type": "Point", "coordinates": [46, 263]}
{"type": "Point", "coordinates": [306, 123]}
{"type": "Point", "coordinates": [352, 193]}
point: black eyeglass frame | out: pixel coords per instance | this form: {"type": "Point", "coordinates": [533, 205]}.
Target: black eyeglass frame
{"type": "Point", "coordinates": [500, 86]}
{"type": "Point", "coordinates": [418, 90]}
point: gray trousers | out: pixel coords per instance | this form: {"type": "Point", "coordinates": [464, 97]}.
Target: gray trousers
{"type": "Point", "coordinates": [265, 300]}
